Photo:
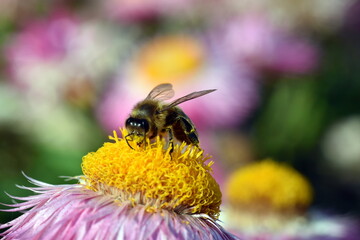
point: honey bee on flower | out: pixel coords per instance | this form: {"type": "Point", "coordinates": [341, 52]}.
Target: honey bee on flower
{"type": "Point", "coordinates": [151, 117]}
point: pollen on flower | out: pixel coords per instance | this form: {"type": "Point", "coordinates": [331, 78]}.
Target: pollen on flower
{"type": "Point", "coordinates": [269, 183]}
{"type": "Point", "coordinates": [151, 176]}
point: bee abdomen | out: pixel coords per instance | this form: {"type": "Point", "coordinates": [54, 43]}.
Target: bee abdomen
{"type": "Point", "coordinates": [185, 131]}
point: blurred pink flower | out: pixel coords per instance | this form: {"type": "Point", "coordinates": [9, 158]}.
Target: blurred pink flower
{"type": "Point", "coordinates": [319, 15]}
{"type": "Point", "coordinates": [59, 60]}
{"type": "Point", "coordinates": [49, 56]}
{"type": "Point", "coordinates": [142, 10]}
{"type": "Point", "coordinates": [190, 64]}
{"type": "Point", "coordinates": [251, 39]}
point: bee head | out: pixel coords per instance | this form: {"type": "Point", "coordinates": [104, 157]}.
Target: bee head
{"type": "Point", "coordinates": [137, 126]}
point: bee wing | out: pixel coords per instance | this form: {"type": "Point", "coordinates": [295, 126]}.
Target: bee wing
{"type": "Point", "coordinates": [161, 92]}
{"type": "Point", "coordinates": [187, 98]}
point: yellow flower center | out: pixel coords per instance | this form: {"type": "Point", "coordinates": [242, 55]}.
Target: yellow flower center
{"type": "Point", "coordinates": [170, 58]}
{"type": "Point", "coordinates": [270, 184]}
{"type": "Point", "coordinates": [152, 176]}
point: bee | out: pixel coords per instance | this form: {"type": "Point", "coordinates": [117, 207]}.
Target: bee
{"type": "Point", "coordinates": [152, 117]}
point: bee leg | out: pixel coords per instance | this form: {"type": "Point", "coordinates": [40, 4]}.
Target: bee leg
{"type": "Point", "coordinates": [144, 141]}
{"type": "Point", "coordinates": [200, 149]}
{"type": "Point", "coordinates": [171, 140]}
{"type": "Point", "coordinates": [127, 141]}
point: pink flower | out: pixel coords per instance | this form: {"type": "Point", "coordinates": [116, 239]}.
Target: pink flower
{"type": "Point", "coordinates": [72, 211]}
{"type": "Point", "coordinates": [126, 193]}
{"type": "Point", "coordinates": [51, 57]}
{"type": "Point", "coordinates": [253, 40]}
{"type": "Point", "coordinates": [319, 15]}
{"type": "Point", "coordinates": [142, 10]}
{"type": "Point", "coordinates": [56, 63]}
{"type": "Point", "coordinates": [190, 64]}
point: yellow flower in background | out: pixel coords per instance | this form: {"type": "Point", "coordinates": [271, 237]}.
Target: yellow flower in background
{"type": "Point", "coordinates": [176, 58]}
{"type": "Point", "coordinates": [275, 185]}
{"type": "Point", "coordinates": [170, 58]}
{"type": "Point", "coordinates": [269, 200]}
{"type": "Point", "coordinates": [266, 199]}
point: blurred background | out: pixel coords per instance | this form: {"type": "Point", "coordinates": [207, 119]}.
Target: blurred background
{"type": "Point", "coordinates": [287, 75]}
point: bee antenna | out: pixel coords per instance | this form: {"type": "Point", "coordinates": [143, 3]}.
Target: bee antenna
{"type": "Point", "coordinates": [127, 141]}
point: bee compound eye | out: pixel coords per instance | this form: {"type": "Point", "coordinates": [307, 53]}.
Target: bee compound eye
{"type": "Point", "coordinates": [145, 125]}
{"type": "Point", "coordinates": [129, 122]}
